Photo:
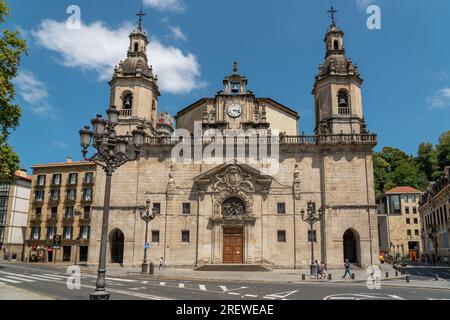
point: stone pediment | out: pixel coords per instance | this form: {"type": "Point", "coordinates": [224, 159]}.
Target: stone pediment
{"type": "Point", "coordinates": [233, 180]}
{"type": "Point", "coordinates": [232, 177]}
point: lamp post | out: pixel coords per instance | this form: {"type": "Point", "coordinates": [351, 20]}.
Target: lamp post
{"type": "Point", "coordinates": [312, 217]}
{"type": "Point", "coordinates": [77, 246]}
{"type": "Point", "coordinates": [112, 152]}
{"type": "Point", "coordinates": [147, 217]}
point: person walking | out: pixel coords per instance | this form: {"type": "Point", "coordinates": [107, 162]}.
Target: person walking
{"type": "Point", "coordinates": [161, 264]}
{"type": "Point", "coordinates": [317, 269]}
{"type": "Point", "coordinates": [348, 267]}
{"type": "Point", "coordinates": [323, 269]}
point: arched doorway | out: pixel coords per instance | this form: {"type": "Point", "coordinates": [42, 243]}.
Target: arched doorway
{"type": "Point", "coordinates": [233, 210]}
{"type": "Point", "coordinates": [351, 244]}
{"type": "Point", "coordinates": [117, 240]}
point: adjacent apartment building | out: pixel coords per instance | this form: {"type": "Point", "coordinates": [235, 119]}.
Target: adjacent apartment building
{"type": "Point", "coordinates": [14, 203]}
{"type": "Point", "coordinates": [435, 214]}
{"type": "Point", "coordinates": [60, 208]}
{"type": "Point", "coordinates": [399, 223]}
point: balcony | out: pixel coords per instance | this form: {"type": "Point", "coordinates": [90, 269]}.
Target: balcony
{"type": "Point", "coordinates": [86, 218]}
{"type": "Point", "coordinates": [52, 219]}
{"type": "Point", "coordinates": [126, 113]}
{"type": "Point", "coordinates": [70, 199]}
{"type": "Point", "coordinates": [54, 199]}
{"type": "Point", "coordinates": [88, 182]}
{"type": "Point", "coordinates": [68, 219]}
{"type": "Point", "coordinates": [36, 219]}
{"type": "Point", "coordinates": [38, 201]}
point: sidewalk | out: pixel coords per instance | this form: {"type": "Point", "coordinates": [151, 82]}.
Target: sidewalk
{"type": "Point", "coordinates": [13, 293]}
{"type": "Point", "coordinates": [275, 276]}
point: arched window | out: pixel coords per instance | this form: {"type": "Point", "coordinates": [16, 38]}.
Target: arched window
{"type": "Point", "coordinates": [336, 44]}
{"type": "Point", "coordinates": [127, 101]}
{"type": "Point", "coordinates": [136, 47]}
{"type": "Point", "coordinates": [343, 105]}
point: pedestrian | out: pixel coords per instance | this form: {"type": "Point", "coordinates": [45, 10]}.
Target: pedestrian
{"type": "Point", "coordinates": [347, 266]}
{"type": "Point", "coordinates": [323, 271]}
{"type": "Point", "coordinates": [162, 264]}
{"type": "Point", "coordinates": [317, 267]}
{"type": "Point", "coordinates": [434, 259]}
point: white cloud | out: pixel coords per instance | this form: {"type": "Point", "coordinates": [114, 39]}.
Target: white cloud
{"type": "Point", "coordinates": [166, 5]}
{"type": "Point", "coordinates": [177, 33]}
{"type": "Point", "coordinates": [35, 93]}
{"type": "Point", "coordinates": [97, 48]}
{"type": "Point", "coordinates": [440, 99]}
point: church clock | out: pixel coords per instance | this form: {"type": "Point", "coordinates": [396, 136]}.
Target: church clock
{"type": "Point", "coordinates": [234, 110]}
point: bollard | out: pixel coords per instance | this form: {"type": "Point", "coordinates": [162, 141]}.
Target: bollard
{"type": "Point", "coordinates": [303, 277]}
{"type": "Point", "coordinates": [436, 277]}
{"type": "Point", "coordinates": [387, 274]}
{"type": "Point", "coordinates": [396, 273]}
{"type": "Point", "coordinates": [353, 276]}
{"type": "Point", "coordinates": [407, 278]}
{"type": "Point", "coordinates": [152, 268]}
{"type": "Point", "coordinates": [330, 277]}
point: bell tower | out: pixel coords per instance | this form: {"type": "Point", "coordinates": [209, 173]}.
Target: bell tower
{"type": "Point", "coordinates": [134, 88]}
{"type": "Point", "coordinates": [337, 88]}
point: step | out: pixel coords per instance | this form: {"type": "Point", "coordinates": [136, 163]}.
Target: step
{"type": "Point", "coordinates": [234, 268]}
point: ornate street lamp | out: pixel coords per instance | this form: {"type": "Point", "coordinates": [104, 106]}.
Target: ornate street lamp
{"type": "Point", "coordinates": [312, 218]}
{"type": "Point", "coordinates": [111, 154]}
{"type": "Point", "coordinates": [147, 216]}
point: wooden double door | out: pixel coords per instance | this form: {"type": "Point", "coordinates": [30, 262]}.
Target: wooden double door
{"type": "Point", "coordinates": [233, 245]}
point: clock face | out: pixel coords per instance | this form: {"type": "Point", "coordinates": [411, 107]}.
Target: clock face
{"type": "Point", "coordinates": [234, 110]}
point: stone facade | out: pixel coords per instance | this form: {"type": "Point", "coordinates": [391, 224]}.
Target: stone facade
{"type": "Point", "coordinates": [399, 224]}
{"type": "Point", "coordinates": [233, 211]}
{"type": "Point", "coordinates": [61, 199]}
{"type": "Point", "coordinates": [435, 215]}
{"type": "Point", "coordinates": [14, 203]}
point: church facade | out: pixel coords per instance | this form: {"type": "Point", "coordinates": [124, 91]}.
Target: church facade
{"type": "Point", "coordinates": [235, 211]}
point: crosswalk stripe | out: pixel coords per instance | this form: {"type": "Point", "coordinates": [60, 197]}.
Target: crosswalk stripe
{"type": "Point", "coordinates": [24, 276]}
{"type": "Point", "coordinates": [20, 279]}
{"type": "Point", "coordinates": [202, 287]}
{"type": "Point", "coordinates": [224, 288]}
{"type": "Point", "coordinates": [9, 280]}
{"type": "Point", "coordinates": [181, 285]}
{"type": "Point", "coordinates": [55, 275]}
{"type": "Point", "coordinates": [46, 277]}
{"type": "Point", "coordinates": [162, 284]}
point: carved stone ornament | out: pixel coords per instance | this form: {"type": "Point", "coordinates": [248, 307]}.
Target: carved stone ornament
{"type": "Point", "coordinates": [297, 183]}
{"type": "Point", "coordinates": [171, 187]}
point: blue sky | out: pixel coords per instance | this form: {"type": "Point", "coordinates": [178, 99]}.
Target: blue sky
{"type": "Point", "coordinates": [278, 44]}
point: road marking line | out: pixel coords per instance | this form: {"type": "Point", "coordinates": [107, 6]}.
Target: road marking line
{"type": "Point", "coordinates": [24, 276]}
{"type": "Point", "coordinates": [144, 282]}
{"type": "Point", "coordinates": [234, 293]}
{"type": "Point", "coordinates": [123, 280]}
{"type": "Point", "coordinates": [251, 296]}
{"type": "Point", "coordinates": [202, 287]}
{"type": "Point", "coordinates": [181, 285]}
{"type": "Point", "coordinates": [224, 288]}
{"type": "Point", "coordinates": [55, 275]}
{"type": "Point", "coordinates": [20, 279]}
{"type": "Point", "coordinates": [162, 284]}
{"type": "Point", "coordinates": [269, 298]}
{"type": "Point", "coordinates": [46, 277]}
{"type": "Point", "coordinates": [10, 281]}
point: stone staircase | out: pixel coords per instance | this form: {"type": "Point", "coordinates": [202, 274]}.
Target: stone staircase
{"type": "Point", "coordinates": [234, 268]}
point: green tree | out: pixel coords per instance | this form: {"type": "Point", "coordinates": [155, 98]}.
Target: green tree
{"type": "Point", "coordinates": [12, 47]}
{"type": "Point", "coordinates": [393, 167]}
{"type": "Point", "coordinates": [427, 160]}
{"type": "Point", "coordinates": [443, 151]}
